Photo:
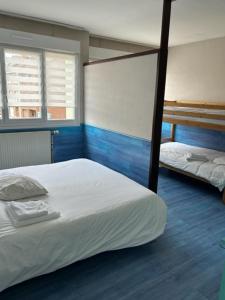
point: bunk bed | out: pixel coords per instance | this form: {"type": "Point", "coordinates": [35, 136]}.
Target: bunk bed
{"type": "Point", "coordinates": [208, 165]}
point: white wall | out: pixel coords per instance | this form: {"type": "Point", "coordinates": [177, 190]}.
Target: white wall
{"type": "Point", "coordinates": [119, 95]}
{"type": "Point", "coordinates": [20, 38]}
{"type": "Point", "coordinates": [197, 72]}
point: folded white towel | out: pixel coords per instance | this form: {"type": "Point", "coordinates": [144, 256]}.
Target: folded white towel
{"type": "Point", "coordinates": [50, 216]}
{"type": "Point", "coordinates": [29, 209]}
{"type": "Point", "coordinates": [196, 157]}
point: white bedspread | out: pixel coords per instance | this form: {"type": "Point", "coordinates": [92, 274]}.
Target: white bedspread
{"type": "Point", "coordinates": [100, 210]}
{"type": "Point", "coordinates": [174, 154]}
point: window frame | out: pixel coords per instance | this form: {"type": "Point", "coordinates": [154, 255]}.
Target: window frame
{"type": "Point", "coordinates": [7, 123]}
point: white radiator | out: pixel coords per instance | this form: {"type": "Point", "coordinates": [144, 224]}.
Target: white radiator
{"type": "Point", "coordinates": [25, 149]}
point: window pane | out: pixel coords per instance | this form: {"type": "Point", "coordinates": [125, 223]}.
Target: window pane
{"type": "Point", "coordinates": [60, 85]}
{"type": "Point", "coordinates": [23, 82]}
{"type": "Point", "coordinates": [1, 103]}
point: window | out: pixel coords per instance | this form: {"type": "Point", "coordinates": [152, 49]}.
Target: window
{"type": "Point", "coordinates": [60, 88]}
{"type": "Point", "coordinates": [1, 103]}
{"type": "Point", "coordinates": [23, 83]}
{"type": "Point", "coordinates": [39, 86]}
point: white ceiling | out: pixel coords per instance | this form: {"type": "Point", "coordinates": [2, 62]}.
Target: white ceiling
{"type": "Point", "coordinates": [130, 20]}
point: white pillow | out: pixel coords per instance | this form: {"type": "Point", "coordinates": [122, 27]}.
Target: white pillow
{"type": "Point", "coordinates": [16, 187]}
{"type": "Point", "coordinates": [219, 160]}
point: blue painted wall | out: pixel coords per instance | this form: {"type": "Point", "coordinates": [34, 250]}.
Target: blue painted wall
{"type": "Point", "coordinates": [127, 155]}
{"type": "Point", "coordinates": [166, 130]}
{"type": "Point", "coordinates": [196, 136]}
{"type": "Point", "coordinates": [68, 144]}
{"type": "Point", "coordinates": [130, 155]}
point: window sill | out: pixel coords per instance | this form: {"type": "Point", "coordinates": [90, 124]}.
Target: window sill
{"type": "Point", "coordinates": [34, 124]}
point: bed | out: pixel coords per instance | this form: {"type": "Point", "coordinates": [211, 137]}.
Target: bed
{"type": "Point", "coordinates": [208, 115]}
{"type": "Point", "coordinates": [173, 155]}
{"type": "Point", "coordinates": [101, 210]}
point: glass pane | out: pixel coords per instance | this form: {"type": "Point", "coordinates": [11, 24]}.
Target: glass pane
{"type": "Point", "coordinates": [60, 85]}
{"type": "Point", "coordinates": [1, 103]}
{"type": "Point", "coordinates": [61, 113]}
{"type": "Point", "coordinates": [23, 82]}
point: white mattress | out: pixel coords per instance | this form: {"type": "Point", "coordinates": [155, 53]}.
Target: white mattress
{"type": "Point", "coordinates": [100, 210]}
{"type": "Point", "coordinates": [174, 155]}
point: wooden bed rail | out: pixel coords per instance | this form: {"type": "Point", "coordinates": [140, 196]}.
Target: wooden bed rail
{"type": "Point", "coordinates": [199, 114]}
{"type": "Point", "coordinates": [195, 104]}
{"type": "Point", "coordinates": [195, 114]}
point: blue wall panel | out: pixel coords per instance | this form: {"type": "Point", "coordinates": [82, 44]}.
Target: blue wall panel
{"type": "Point", "coordinates": [68, 144]}
{"type": "Point", "coordinates": [127, 155]}
{"type": "Point", "coordinates": [166, 130]}
{"type": "Point", "coordinates": [196, 136]}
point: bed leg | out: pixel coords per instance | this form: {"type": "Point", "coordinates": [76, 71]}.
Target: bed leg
{"type": "Point", "coordinates": [173, 128]}
{"type": "Point", "coordinates": [224, 196]}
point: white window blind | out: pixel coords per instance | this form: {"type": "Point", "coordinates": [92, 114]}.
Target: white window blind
{"type": "Point", "coordinates": [1, 103]}
{"type": "Point", "coordinates": [23, 83]}
{"type": "Point", "coordinates": [60, 85]}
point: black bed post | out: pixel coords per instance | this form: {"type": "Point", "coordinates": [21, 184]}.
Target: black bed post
{"type": "Point", "coordinates": [159, 97]}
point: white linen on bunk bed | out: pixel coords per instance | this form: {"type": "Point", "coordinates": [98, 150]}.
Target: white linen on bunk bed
{"type": "Point", "coordinates": [100, 210]}
{"type": "Point", "coordinates": [174, 154]}
{"type": "Point", "coordinates": [196, 157]}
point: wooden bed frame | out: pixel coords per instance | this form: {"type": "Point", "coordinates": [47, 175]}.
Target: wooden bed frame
{"type": "Point", "coordinates": [194, 118]}
{"type": "Point", "coordinates": [170, 116]}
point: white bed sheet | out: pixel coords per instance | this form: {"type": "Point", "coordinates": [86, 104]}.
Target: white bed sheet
{"type": "Point", "coordinates": [100, 210]}
{"type": "Point", "coordinates": [174, 155]}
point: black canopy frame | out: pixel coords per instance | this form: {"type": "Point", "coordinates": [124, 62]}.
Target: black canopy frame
{"type": "Point", "coordinates": [160, 91]}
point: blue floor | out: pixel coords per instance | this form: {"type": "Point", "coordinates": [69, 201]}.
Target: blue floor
{"type": "Point", "coordinates": [186, 263]}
